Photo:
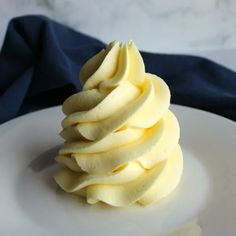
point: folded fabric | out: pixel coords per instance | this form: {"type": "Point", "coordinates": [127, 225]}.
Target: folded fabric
{"type": "Point", "coordinates": [40, 62]}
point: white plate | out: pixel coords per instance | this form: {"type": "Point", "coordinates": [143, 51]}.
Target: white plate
{"type": "Point", "coordinates": [31, 203]}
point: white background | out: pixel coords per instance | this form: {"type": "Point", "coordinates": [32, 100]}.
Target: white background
{"type": "Point", "coordinates": [200, 27]}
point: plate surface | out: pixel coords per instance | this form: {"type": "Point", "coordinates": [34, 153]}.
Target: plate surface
{"type": "Point", "coordinates": [31, 203]}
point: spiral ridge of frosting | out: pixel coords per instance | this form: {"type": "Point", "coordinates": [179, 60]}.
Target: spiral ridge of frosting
{"type": "Point", "coordinates": [121, 139]}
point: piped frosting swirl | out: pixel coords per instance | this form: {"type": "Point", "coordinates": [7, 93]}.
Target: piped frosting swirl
{"type": "Point", "coordinates": [121, 139]}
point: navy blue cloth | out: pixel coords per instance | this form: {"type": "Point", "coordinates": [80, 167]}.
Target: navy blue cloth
{"type": "Point", "coordinates": [40, 62]}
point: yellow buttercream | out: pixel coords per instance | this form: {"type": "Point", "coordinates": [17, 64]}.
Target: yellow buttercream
{"type": "Point", "coordinates": [121, 140]}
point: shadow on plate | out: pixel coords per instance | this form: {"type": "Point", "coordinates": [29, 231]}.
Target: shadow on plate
{"type": "Point", "coordinates": [44, 160]}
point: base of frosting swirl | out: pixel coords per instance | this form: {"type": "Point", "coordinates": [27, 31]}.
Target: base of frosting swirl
{"type": "Point", "coordinates": [124, 187]}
